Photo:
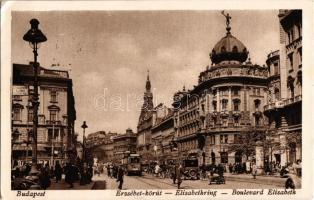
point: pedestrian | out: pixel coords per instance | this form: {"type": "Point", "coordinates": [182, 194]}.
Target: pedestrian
{"type": "Point", "coordinates": [58, 172]}
{"type": "Point", "coordinates": [174, 174]}
{"type": "Point", "coordinates": [108, 171]}
{"type": "Point", "coordinates": [44, 178]}
{"type": "Point", "coordinates": [157, 170]}
{"type": "Point", "coordinates": [120, 176]}
{"type": "Point", "coordinates": [179, 173]}
{"type": "Point", "coordinates": [69, 174]}
{"type": "Point", "coordinates": [83, 171]}
{"type": "Point", "coordinates": [254, 170]}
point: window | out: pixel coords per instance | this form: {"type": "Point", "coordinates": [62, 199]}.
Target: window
{"type": "Point", "coordinates": [236, 104]}
{"type": "Point", "coordinates": [236, 138]}
{"type": "Point", "coordinates": [52, 134]}
{"type": "Point", "coordinates": [235, 49]}
{"type": "Point", "coordinates": [276, 69]}
{"type": "Point", "coordinates": [277, 94]}
{"type": "Point", "coordinates": [292, 35]}
{"type": "Point", "coordinates": [225, 122]}
{"type": "Point", "coordinates": [236, 91]}
{"type": "Point", "coordinates": [236, 121]}
{"type": "Point", "coordinates": [17, 114]}
{"type": "Point", "coordinates": [212, 139]}
{"type": "Point", "coordinates": [290, 61]}
{"type": "Point", "coordinates": [224, 104]}
{"type": "Point", "coordinates": [224, 157]}
{"type": "Point", "coordinates": [291, 86]}
{"type": "Point", "coordinates": [223, 49]}
{"type": "Point", "coordinates": [53, 96]}
{"type": "Point", "coordinates": [223, 139]}
{"type": "Point", "coordinates": [299, 28]}
{"type": "Point", "coordinates": [300, 56]}
{"type": "Point", "coordinates": [30, 115]}
{"type": "Point", "coordinates": [257, 104]}
{"type": "Point", "coordinates": [215, 105]}
{"type": "Point", "coordinates": [53, 115]}
{"type": "Point", "coordinates": [257, 120]}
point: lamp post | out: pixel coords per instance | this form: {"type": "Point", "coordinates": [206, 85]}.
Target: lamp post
{"type": "Point", "coordinates": [84, 126]}
{"type": "Point", "coordinates": [34, 36]}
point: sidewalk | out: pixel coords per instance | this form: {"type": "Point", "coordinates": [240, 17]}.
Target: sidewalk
{"type": "Point", "coordinates": [76, 186]}
{"type": "Point", "coordinates": [275, 180]}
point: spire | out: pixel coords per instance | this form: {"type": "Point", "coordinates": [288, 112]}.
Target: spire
{"type": "Point", "coordinates": [228, 28]}
{"type": "Point", "coordinates": [148, 86]}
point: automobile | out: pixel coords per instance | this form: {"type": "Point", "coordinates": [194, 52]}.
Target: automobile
{"type": "Point", "coordinates": [25, 183]}
{"type": "Point", "coordinates": [191, 169]}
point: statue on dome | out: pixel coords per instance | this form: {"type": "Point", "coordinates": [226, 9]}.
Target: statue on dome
{"type": "Point", "coordinates": [227, 18]}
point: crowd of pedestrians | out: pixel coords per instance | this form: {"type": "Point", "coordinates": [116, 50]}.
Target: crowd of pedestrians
{"type": "Point", "coordinates": [72, 172]}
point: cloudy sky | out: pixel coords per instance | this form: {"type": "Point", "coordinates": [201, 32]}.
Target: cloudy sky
{"type": "Point", "coordinates": [108, 54]}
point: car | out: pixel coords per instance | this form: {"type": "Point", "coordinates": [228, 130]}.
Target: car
{"type": "Point", "coordinates": [191, 169]}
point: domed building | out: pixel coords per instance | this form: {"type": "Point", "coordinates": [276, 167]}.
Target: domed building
{"type": "Point", "coordinates": [226, 104]}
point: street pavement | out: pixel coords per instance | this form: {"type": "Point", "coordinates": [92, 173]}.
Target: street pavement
{"type": "Point", "coordinates": [148, 181]}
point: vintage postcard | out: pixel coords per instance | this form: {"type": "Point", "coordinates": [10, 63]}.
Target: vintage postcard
{"type": "Point", "coordinates": [156, 100]}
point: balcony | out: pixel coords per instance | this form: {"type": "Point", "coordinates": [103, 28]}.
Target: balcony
{"type": "Point", "coordinates": [295, 99]}
{"type": "Point", "coordinates": [50, 122]}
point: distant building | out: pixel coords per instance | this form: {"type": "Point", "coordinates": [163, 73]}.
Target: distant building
{"type": "Point", "coordinates": [56, 115]}
{"type": "Point", "coordinates": [284, 107]}
{"type": "Point", "coordinates": [144, 143]}
{"type": "Point", "coordinates": [162, 133]}
{"type": "Point", "coordinates": [123, 144]}
{"type": "Point", "coordinates": [101, 145]}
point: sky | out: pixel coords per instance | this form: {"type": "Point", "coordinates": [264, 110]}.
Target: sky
{"type": "Point", "coordinates": [108, 54]}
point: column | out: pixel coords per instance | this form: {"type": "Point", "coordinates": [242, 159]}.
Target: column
{"type": "Point", "coordinates": [218, 101]}
{"type": "Point", "coordinates": [259, 158]}
{"type": "Point", "coordinates": [229, 100]}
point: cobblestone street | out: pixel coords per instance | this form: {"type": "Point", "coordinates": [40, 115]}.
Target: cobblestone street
{"type": "Point", "coordinates": [148, 181]}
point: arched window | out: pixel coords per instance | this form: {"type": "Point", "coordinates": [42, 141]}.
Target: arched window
{"type": "Point", "coordinates": [224, 104]}
{"type": "Point", "coordinates": [257, 104]}
{"type": "Point", "coordinates": [223, 49]}
{"type": "Point", "coordinates": [215, 105]}
{"type": "Point", "coordinates": [235, 49]}
{"type": "Point", "coordinates": [236, 104]}
{"type": "Point", "coordinates": [277, 94]}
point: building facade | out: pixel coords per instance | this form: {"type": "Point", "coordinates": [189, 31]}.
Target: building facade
{"type": "Point", "coordinates": [227, 102]}
{"type": "Point", "coordinates": [284, 107]}
{"type": "Point", "coordinates": [163, 134]}
{"type": "Point", "coordinates": [56, 115]}
{"type": "Point", "coordinates": [144, 143]}
{"type": "Point", "coordinates": [123, 144]}
{"type": "Point", "coordinates": [101, 145]}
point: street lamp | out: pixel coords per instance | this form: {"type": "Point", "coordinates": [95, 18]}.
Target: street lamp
{"type": "Point", "coordinates": [84, 126]}
{"type": "Point", "coordinates": [34, 36]}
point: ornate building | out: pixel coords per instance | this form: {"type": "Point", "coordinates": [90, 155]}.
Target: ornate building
{"type": "Point", "coordinates": [56, 115]}
{"type": "Point", "coordinates": [227, 102]}
{"type": "Point", "coordinates": [123, 144]}
{"type": "Point", "coordinates": [144, 147]}
{"type": "Point", "coordinates": [284, 107]}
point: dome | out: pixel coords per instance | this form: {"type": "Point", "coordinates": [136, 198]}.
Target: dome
{"type": "Point", "coordinates": [227, 49]}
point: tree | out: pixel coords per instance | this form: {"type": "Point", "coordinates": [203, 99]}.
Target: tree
{"type": "Point", "coordinates": [245, 142]}
{"type": "Point", "coordinates": [271, 143]}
